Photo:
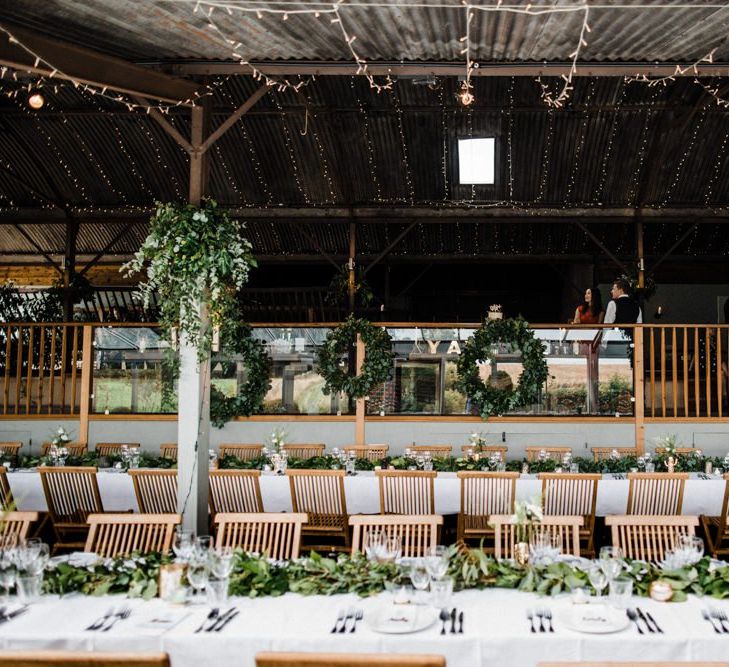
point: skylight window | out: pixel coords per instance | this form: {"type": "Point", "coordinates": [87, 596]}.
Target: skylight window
{"type": "Point", "coordinates": [476, 161]}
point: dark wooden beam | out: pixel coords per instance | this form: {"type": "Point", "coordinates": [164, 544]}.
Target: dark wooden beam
{"type": "Point", "coordinates": [70, 61]}
{"type": "Point", "coordinates": [601, 245]}
{"type": "Point", "coordinates": [387, 250]}
{"type": "Point", "coordinates": [95, 259]}
{"type": "Point", "coordinates": [672, 249]}
{"type": "Point", "coordinates": [41, 252]}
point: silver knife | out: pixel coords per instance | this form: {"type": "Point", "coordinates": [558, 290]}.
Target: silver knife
{"type": "Point", "coordinates": [6, 617]}
{"type": "Point", "coordinates": [642, 617]}
{"type": "Point", "coordinates": [221, 620]}
{"type": "Point", "coordinates": [227, 620]}
{"type": "Point", "coordinates": [652, 620]}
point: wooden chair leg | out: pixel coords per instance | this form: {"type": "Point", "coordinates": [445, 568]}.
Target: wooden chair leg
{"type": "Point", "coordinates": [709, 539]}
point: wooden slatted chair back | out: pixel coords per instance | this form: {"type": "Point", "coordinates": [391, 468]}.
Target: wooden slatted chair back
{"type": "Point", "coordinates": [656, 493]}
{"type": "Point", "coordinates": [436, 451]}
{"type": "Point", "coordinates": [716, 528]}
{"type": "Point", "coordinates": [82, 659]}
{"type": "Point", "coordinates": [407, 491]}
{"type": "Point", "coordinates": [554, 453]}
{"type": "Point", "coordinates": [681, 451]}
{"type": "Point", "coordinates": [278, 535]}
{"type": "Point", "coordinates": [10, 448]}
{"type": "Point", "coordinates": [235, 491]}
{"type": "Point", "coordinates": [15, 526]}
{"type": "Point", "coordinates": [74, 448]}
{"type": "Point", "coordinates": [649, 537]}
{"type": "Point", "coordinates": [72, 493]}
{"type": "Point", "coordinates": [485, 451]}
{"type": "Point", "coordinates": [113, 535]}
{"type": "Point", "coordinates": [565, 530]}
{"type": "Point", "coordinates": [304, 451]}
{"type": "Point", "coordinates": [168, 450]}
{"type": "Point", "coordinates": [114, 448]}
{"type": "Point", "coordinates": [606, 453]}
{"type": "Point", "coordinates": [320, 494]}
{"type": "Point", "coordinates": [348, 660]}
{"type": "Point", "coordinates": [368, 452]}
{"type": "Point", "coordinates": [243, 452]}
{"type": "Point", "coordinates": [6, 494]}
{"type": "Point", "coordinates": [614, 663]}
{"type": "Point", "coordinates": [483, 494]}
{"type": "Point", "coordinates": [417, 533]}
{"type": "Point", "coordinates": [156, 490]}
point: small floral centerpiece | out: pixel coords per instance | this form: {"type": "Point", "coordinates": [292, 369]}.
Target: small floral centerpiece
{"type": "Point", "coordinates": [495, 312]}
{"type": "Point", "coordinates": [60, 437]}
{"type": "Point", "coordinates": [278, 456]}
{"type": "Point", "coordinates": [278, 439]}
{"type": "Point", "coordinates": [58, 452]}
{"type": "Point", "coordinates": [477, 441]}
{"type": "Point", "coordinates": [527, 515]}
{"type": "Point", "coordinates": [668, 442]}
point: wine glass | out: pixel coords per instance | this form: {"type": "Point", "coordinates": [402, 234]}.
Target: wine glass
{"type": "Point", "coordinates": [374, 543]}
{"type": "Point", "coordinates": [7, 570]}
{"type": "Point", "coordinates": [611, 561]}
{"type": "Point", "coordinates": [436, 561]}
{"type": "Point", "coordinates": [597, 579]}
{"type": "Point", "coordinates": [202, 545]}
{"type": "Point", "coordinates": [182, 545]}
{"type": "Point", "coordinates": [221, 562]}
{"type": "Point", "coordinates": [419, 576]}
{"type": "Point", "coordinates": [392, 550]}
{"type": "Point", "coordinates": [197, 575]}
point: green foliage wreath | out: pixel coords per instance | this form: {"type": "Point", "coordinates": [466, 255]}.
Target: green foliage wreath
{"type": "Point", "coordinates": [237, 340]}
{"type": "Point", "coordinates": [492, 400]}
{"type": "Point", "coordinates": [377, 362]}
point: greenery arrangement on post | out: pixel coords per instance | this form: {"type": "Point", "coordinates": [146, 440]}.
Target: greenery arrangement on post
{"type": "Point", "coordinates": [237, 340]}
{"type": "Point", "coordinates": [492, 400]}
{"type": "Point", "coordinates": [193, 256]}
{"type": "Point", "coordinates": [377, 362]}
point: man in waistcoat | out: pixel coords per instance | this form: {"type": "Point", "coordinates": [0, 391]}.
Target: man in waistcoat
{"type": "Point", "coordinates": [623, 309]}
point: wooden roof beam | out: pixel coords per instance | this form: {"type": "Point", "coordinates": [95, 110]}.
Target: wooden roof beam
{"type": "Point", "coordinates": [49, 57]}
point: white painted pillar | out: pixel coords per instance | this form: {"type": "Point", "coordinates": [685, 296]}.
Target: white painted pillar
{"type": "Point", "coordinates": [193, 437]}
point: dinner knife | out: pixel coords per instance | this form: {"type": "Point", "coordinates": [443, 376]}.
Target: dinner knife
{"type": "Point", "coordinates": [6, 617]}
{"type": "Point", "coordinates": [227, 620]}
{"type": "Point", "coordinates": [652, 620]}
{"type": "Point", "coordinates": [453, 621]}
{"type": "Point", "coordinates": [221, 619]}
{"type": "Point", "coordinates": [642, 617]}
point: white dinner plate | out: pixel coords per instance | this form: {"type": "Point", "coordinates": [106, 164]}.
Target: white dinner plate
{"type": "Point", "coordinates": [400, 619]}
{"type": "Point", "coordinates": [595, 619]}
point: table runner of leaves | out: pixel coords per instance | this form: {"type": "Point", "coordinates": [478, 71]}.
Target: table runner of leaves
{"type": "Point", "coordinates": [256, 576]}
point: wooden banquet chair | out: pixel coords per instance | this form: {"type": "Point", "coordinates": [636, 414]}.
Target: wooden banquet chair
{"type": "Point", "coordinates": [320, 494]}
{"type": "Point", "coordinates": [235, 491]}
{"type": "Point", "coordinates": [407, 491]}
{"type": "Point", "coordinates": [72, 493]}
{"type": "Point", "coordinates": [81, 659]}
{"type": "Point", "coordinates": [168, 450]}
{"type": "Point", "coordinates": [277, 534]}
{"type": "Point", "coordinates": [15, 526]}
{"type": "Point", "coordinates": [649, 537]}
{"type": "Point", "coordinates": [74, 448]}
{"type": "Point", "coordinates": [483, 494]}
{"type": "Point", "coordinates": [305, 451]}
{"type": "Point", "coordinates": [270, 659]}
{"type": "Point", "coordinates": [680, 451]}
{"type": "Point", "coordinates": [656, 492]}
{"type": "Point", "coordinates": [485, 451]}
{"type": "Point", "coordinates": [7, 501]}
{"type": "Point", "coordinates": [10, 448]}
{"type": "Point", "coordinates": [565, 494]}
{"type": "Point", "coordinates": [566, 529]}
{"type": "Point", "coordinates": [436, 451]}
{"type": "Point", "coordinates": [113, 448]}
{"type": "Point", "coordinates": [367, 452]}
{"type": "Point", "coordinates": [605, 453]}
{"type": "Point", "coordinates": [716, 528]}
{"type": "Point", "coordinates": [417, 533]}
{"type": "Point", "coordinates": [156, 490]}
{"type": "Point", "coordinates": [554, 453]}
{"type": "Point", "coordinates": [242, 452]}
{"type": "Point", "coordinates": [112, 535]}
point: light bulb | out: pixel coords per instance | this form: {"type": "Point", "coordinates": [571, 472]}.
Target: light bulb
{"type": "Point", "coordinates": [465, 97]}
{"type": "Point", "coordinates": [36, 101]}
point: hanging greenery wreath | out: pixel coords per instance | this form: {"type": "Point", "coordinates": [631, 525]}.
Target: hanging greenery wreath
{"type": "Point", "coordinates": [377, 362]}
{"type": "Point", "coordinates": [488, 398]}
{"type": "Point", "coordinates": [237, 341]}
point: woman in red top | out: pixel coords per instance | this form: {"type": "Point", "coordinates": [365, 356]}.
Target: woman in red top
{"type": "Point", "coordinates": [590, 312]}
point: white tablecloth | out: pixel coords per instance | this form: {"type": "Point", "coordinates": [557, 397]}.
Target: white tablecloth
{"type": "Point", "coordinates": [496, 632]}
{"type": "Point", "coordinates": [117, 493]}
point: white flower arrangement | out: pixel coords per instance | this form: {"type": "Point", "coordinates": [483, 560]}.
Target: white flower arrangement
{"type": "Point", "coordinates": [495, 312]}
{"type": "Point", "coordinates": [60, 437]}
{"type": "Point", "coordinates": [278, 439]}
{"type": "Point", "coordinates": [477, 440]}
{"type": "Point", "coordinates": [669, 443]}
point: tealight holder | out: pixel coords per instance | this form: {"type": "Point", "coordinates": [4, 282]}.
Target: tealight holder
{"type": "Point", "coordinates": [661, 591]}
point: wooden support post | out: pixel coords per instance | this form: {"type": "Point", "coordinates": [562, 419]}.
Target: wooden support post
{"type": "Point", "coordinates": [87, 365]}
{"type": "Point", "coordinates": [641, 254]}
{"type": "Point", "coordinates": [638, 389]}
{"type": "Point", "coordinates": [359, 428]}
{"type": "Point", "coordinates": [69, 267]}
{"type": "Point", "coordinates": [351, 282]}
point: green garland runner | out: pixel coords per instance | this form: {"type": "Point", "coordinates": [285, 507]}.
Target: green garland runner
{"type": "Point", "coordinates": [377, 362]}
{"type": "Point", "coordinates": [237, 339]}
{"type": "Point", "coordinates": [255, 576]}
{"type": "Point", "coordinates": [491, 400]}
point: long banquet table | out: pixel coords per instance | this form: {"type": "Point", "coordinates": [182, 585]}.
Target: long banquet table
{"type": "Point", "coordinates": [496, 632]}
{"type": "Point", "coordinates": [701, 496]}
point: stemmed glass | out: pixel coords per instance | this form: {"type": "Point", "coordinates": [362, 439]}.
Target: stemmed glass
{"type": "Point", "coordinates": [419, 576]}
{"type": "Point", "coordinates": [611, 561]}
{"type": "Point", "coordinates": [197, 575]}
{"type": "Point", "coordinates": [201, 547]}
{"type": "Point", "coordinates": [436, 561]}
{"type": "Point", "coordinates": [221, 562]}
{"type": "Point", "coordinates": [183, 545]}
{"type": "Point", "coordinates": [374, 543]}
{"type": "Point", "coordinates": [597, 579]}
{"type": "Point", "coordinates": [7, 569]}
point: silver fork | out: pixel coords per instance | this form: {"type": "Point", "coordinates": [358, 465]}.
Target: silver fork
{"type": "Point", "coordinates": [721, 617]}
{"type": "Point", "coordinates": [121, 615]}
{"type": "Point", "coordinates": [540, 615]}
{"type": "Point", "coordinates": [100, 622]}
{"type": "Point", "coordinates": [548, 616]}
{"type": "Point", "coordinates": [530, 618]}
{"type": "Point", "coordinates": [358, 616]}
{"type": "Point", "coordinates": [350, 614]}
{"type": "Point", "coordinates": [340, 618]}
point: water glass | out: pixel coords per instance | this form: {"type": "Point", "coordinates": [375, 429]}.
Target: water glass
{"type": "Point", "coordinates": [574, 468]}
{"type": "Point", "coordinates": [621, 589]}
{"type": "Point", "coordinates": [374, 541]}
{"type": "Point", "coordinates": [441, 591]}
{"type": "Point", "coordinates": [183, 545]}
{"type": "Point", "coordinates": [216, 591]}
{"type": "Point", "coordinates": [544, 548]}
{"type": "Point", "coordinates": [436, 561]}
{"type": "Point", "coordinates": [650, 466]}
{"type": "Point", "coordinates": [7, 571]}
{"type": "Point", "coordinates": [29, 587]}
{"type": "Point", "coordinates": [391, 550]}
